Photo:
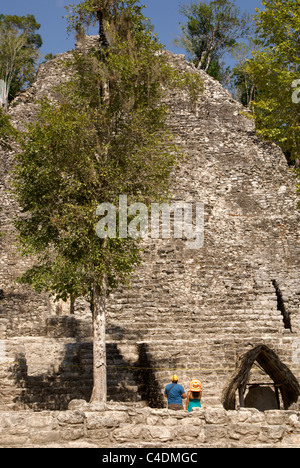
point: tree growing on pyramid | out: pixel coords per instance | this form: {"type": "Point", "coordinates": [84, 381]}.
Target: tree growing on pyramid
{"type": "Point", "coordinates": [105, 136]}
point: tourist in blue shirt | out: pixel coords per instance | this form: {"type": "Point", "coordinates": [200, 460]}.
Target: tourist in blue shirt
{"type": "Point", "coordinates": [175, 394]}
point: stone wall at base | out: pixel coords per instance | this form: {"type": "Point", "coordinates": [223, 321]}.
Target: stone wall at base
{"type": "Point", "coordinates": [122, 426]}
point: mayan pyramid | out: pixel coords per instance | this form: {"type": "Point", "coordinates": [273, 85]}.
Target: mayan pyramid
{"type": "Point", "coordinates": [193, 312]}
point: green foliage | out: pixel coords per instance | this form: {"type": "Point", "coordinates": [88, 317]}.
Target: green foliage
{"type": "Point", "coordinates": [245, 88]}
{"type": "Point", "coordinates": [61, 177]}
{"type": "Point", "coordinates": [49, 57]}
{"type": "Point", "coordinates": [212, 28]}
{"type": "Point", "coordinates": [7, 131]}
{"type": "Point", "coordinates": [105, 137]}
{"type": "Point", "coordinates": [125, 16]}
{"type": "Point", "coordinates": [19, 45]}
{"type": "Point", "coordinates": [23, 25]}
{"type": "Point", "coordinates": [275, 68]}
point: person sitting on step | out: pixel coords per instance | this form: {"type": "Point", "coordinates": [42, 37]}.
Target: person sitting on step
{"type": "Point", "coordinates": [175, 393]}
{"type": "Point", "coordinates": [194, 395]}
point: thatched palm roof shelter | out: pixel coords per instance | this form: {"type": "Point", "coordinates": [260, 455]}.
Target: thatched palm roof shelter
{"type": "Point", "coordinates": [282, 377]}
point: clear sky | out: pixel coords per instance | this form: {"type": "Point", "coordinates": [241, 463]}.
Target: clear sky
{"type": "Point", "coordinates": [163, 14]}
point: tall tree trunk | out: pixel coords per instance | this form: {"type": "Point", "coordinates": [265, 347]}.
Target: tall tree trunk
{"type": "Point", "coordinates": [99, 393]}
{"type": "Point", "coordinates": [201, 60]}
{"type": "Point", "coordinates": [4, 92]}
{"type": "Point", "coordinates": [103, 42]}
{"type": "Point", "coordinates": [72, 305]}
{"type": "Point", "coordinates": [208, 62]}
{"type": "Point", "coordinates": [102, 36]}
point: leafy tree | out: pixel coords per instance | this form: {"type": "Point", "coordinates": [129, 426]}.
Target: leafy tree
{"type": "Point", "coordinates": [105, 137]}
{"type": "Point", "coordinates": [275, 68]}
{"type": "Point", "coordinates": [212, 28]}
{"type": "Point", "coordinates": [23, 25]}
{"type": "Point", "coordinates": [244, 86]}
{"type": "Point", "coordinates": [19, 45]}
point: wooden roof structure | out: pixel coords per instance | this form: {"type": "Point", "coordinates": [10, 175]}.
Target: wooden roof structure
{"type": "Point", "coordinates": [267, 359]}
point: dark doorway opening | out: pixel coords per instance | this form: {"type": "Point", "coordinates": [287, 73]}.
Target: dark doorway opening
{"type": "Point", "coordinates": [262, 397]}
{"type": "Point", "coordinates": [281, 307]}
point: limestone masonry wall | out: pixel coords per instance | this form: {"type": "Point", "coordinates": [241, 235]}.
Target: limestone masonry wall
{"type": "Point", "coordinates": [85, 426]}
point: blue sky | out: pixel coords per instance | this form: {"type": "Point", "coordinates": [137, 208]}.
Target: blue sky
{"type": "Point", "coordinates": [164, 16]}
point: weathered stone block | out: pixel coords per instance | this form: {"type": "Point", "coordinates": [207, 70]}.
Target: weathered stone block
{"type": "Point", "coordinates": [294, 421]}
{"type": "Point", "coordinates": [80, 405]}
{"type": "Point", "coordinates": [251, 416]}
{"type": "Point", "coordinates": [245, 432]}
{"type": "Point", "coordinates": [72, 433]}
{"type": "Point", "coordinates": [9, 440]}
{"type": "Point", "coordinates": [40, 421]}
{"type": "Point", "coordinates": [45, 437]}
{"type": "Point", "coordinates": [215, 433]}
{"type": "Point", "coordinates": [70, 417]}
{"type": "Point", "coordinates": [272, 434]}
{"type": "Point", "coordinates": [215, 416]}
{"type": "Point", "coordinates": [275, 418]}
{"type": "Point", "coordinates": [161, 433]}
{"type": "Point", "coordinates": [131, 433]}
{"type": "Point", "coordinates": [108, 419]}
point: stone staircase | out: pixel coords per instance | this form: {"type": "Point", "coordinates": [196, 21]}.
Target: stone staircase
{"type": "Point", "coordinates": [199, 335]}
{"type": "Point", "coordinates": [235, 313]}
{"type": "Point", "coordinates": [202, 342]}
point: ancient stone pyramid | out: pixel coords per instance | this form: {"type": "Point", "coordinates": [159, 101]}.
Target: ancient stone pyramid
{"type": "Point", "coordinates": [193, 312]}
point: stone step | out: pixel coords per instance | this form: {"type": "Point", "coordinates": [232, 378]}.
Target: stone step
{"type": "Point", "coordinates": [197, 316]}
{"type": "Point", "coordinates": [156, 333]}
{"type": "Point", "coordinates": [195, 313]}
